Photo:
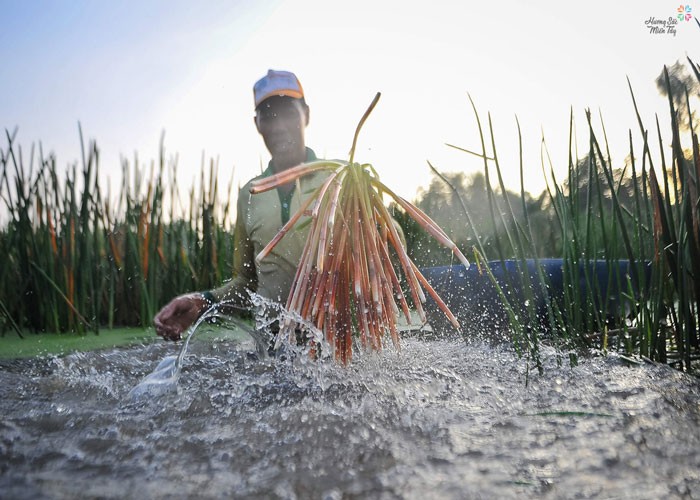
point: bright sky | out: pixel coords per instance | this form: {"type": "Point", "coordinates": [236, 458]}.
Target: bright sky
{"type": "Point", "coordinates": [129, 70]}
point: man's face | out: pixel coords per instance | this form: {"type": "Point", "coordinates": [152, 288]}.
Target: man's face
{"type": "Point", "coordinates": [281, 121]}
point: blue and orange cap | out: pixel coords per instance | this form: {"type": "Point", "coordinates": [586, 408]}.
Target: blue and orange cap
{"type": "Point", "coordinates": [280, 83]}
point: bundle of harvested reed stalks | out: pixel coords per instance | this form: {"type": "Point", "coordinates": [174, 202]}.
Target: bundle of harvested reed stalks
{"type": "Point", "coordinates": [346, 282]}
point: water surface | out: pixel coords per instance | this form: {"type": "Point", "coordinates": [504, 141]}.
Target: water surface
{"type": "Point", "coordinates": [439, 419]}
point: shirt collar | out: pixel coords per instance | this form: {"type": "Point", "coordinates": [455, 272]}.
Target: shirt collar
{"type": "Point", "coordinates": [310, 156]}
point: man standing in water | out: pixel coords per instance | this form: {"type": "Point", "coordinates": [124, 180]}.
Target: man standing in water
{"type": "Point", "coordinates": [281, 116]}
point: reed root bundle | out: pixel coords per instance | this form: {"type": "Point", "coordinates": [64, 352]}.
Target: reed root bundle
{"type": "Point", "coordinates": [346, 284]}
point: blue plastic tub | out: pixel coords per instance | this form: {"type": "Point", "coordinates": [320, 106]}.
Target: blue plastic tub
{"type": "Point", "coordinates": [474, 300]}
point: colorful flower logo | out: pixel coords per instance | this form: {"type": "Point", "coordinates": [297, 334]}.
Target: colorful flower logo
{"type": "Point", "coordinates": [684, 13]}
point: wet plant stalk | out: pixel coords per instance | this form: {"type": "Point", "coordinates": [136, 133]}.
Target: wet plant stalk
{"type": "Point", "coordinates": [345, 283]}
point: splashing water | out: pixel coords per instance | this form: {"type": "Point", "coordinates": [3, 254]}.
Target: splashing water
{"type": "Point", "coordinates": [438, 419]}
{"type": "Point", "coordinates": [267, 313]}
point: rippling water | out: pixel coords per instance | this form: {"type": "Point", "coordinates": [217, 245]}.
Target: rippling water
{"type": "Point", "coordinates": [439, 419]}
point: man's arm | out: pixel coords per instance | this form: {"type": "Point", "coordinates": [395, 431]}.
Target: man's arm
{"type": "Point", "coordinates": [245, 277]}
{"type": "Point", "coordinates": [177, 316]}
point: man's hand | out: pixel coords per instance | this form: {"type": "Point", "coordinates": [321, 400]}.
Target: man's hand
{"type": "Point", "coordinates": [179, 314]}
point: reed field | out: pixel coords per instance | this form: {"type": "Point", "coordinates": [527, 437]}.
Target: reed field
{"type": "Point", "coordinates": [646, 213]}
{"type": "Point", "coordinates": [78, 257]}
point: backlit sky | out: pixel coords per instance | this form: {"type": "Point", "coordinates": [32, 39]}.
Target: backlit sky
{"type": "Point", "coordinates": [129, 70]}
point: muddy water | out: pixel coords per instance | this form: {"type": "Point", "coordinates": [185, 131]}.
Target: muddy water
{"type": "Point", "coordinates": [440, 419]}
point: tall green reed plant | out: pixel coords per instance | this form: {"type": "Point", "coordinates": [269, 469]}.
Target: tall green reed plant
{"type": "Point", "coordinates": [676, 229]}
{"type": "Point", "coordinates": [77, 259]}
{"type": "Point", "coordinates": [605, 217]}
